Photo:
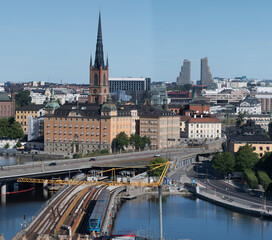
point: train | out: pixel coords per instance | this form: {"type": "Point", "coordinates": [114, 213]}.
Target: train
{"type": "Point", "coordinates": [98, 214]}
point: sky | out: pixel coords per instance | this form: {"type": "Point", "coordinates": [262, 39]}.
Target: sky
{"type": "Point", "coordinates": [53, 40]}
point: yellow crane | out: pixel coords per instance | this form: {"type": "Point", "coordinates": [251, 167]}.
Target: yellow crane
{"type": "Point", "coordinates": [113, 182]}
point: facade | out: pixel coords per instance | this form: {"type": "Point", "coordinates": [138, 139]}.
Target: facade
{"type": "Point", "coordinates": [262, 120]}
{"type": "Point", "coordinates": [129, 89]}
{"type": "Point", "coordinates": [83, 128]}
{"type": "Point", "coordinates": [35, 128]}
{"type": "Point", "coordinates": [203, 127]}
{"type": "Point", "coordinates": [161, 126]}
{"type": "Point", "coordinates": [265, 99]}
{"type": "Point", "coordinates": [179, 97]}
{"type": "Point", "coordinates": [226, 96]}
{"type": "Point", "coordinates": [206, 76]}
{"type": "Point", "coordinates": [7, 105]}
{"type": "Point", "coordinates": [23, 113]}
{"type": "Point", "coordinates": [251, 134]}
{"type": "Point", "coordinates": [249, 105]}
{"type": "Point", "coordinates": [159, 95]}
{"type": "Point", "coordinates": [185, 73]}
{"type": "Point", "coordinates": [99, 73]}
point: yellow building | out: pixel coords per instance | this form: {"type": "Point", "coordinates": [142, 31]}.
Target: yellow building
{"type": "Point", "coordinates": [83, 127]}
{"type": "Point", "coordinates": [30, 110]}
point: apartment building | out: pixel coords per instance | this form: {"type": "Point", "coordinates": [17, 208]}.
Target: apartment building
{"type": "Point", "coordinates": [23, 113]}
{"type": "Point", "coordinates": [160, 125]}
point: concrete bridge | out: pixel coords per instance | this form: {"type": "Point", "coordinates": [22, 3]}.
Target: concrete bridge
{"type": "Point", "coordinates": [68, 167]}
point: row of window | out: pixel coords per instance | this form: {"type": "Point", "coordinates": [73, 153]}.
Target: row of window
{"type": "Point", "coordinates": [261, 148]}
{"type": "Point", "coordinates": [204, 131]}
{"type": "Point", "coordinates": [81, 133]}
{"type": "Point", "coordinates": [149, 122]}
{"type": "Point", "coordinates": [71, 140]}
{"type": "Point", "coordinates": [149, 130]}
{"type": "Point", "coordinates": [206, 125]}
{"type": "Point", "coordinates": [76, 126]}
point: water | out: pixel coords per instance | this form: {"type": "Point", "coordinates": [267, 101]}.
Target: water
{"type": "Point", "coordinates": [183, 218]}
{"type": "Point", "coordinates": [13, 209]}
{"type": "Point", "coordinates": [4, 161]}
{"type": "Point", "coordinates": [190, 218]}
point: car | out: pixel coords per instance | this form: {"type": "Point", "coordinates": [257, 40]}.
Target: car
{"type": "Point", "coordinates": [52, 164]}
{"type": "Point", "coordinates": [157, 155]}
{"type": "Point", "coordinates": [92, 159]}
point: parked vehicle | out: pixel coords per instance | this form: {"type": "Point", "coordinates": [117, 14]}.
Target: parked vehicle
{"type": "Point", "coordinates": [92, 159]}
{"type": "Point", "coordinates": [157, 155]}
{"type": "Point", "coordinates": [52, 164]}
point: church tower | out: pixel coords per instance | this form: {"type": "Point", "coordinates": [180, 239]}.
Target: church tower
{"type": "Point", "coordinates": [99, 72]}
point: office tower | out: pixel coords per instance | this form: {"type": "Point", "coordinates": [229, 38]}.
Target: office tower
{"type": "Point", "coordinates": [185, 73]}
{"type": "Point", "coordinates": [99, 72]}
{"type": "Point", "coordinates": [206, 76]}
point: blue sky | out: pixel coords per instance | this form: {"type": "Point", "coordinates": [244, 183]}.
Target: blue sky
{"type": "Point", "coordinates": [52, 40]}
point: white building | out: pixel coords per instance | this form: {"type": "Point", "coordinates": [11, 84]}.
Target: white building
{"type": "Point", "coordinates": [250, 106]}
{"type": "Point", "coordinates": [203, 127]}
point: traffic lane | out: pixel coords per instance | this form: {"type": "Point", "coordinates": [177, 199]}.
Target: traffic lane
{"type": "Point", "coordinates": [231, 191]}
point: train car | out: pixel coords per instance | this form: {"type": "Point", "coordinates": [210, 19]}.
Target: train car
{"type": "Point", "coordinates": [99, 211]}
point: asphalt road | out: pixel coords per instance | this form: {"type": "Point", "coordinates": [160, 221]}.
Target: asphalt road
{"type": "Point", "coordinates": [236, 193]}
{"type": "Point", "coordinates": [126, 159]}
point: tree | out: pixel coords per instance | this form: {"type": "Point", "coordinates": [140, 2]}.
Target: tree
{"type": "Point", "coordinates": [18, 144]}
{"type": "Point", "coordinates": [240, 119]}
{"type": "Point", "coordinates": [121, 140]}
{"type": "Point", "coordinates": [158, 171]}
{"type": "Point", "coordinates": [224, 162]}
{"type": "Point", "coordinates": [22, 98]}
{"type": "Point", "coordinates": [7, 146]}
{"type": "Point", "coordinates": [139, 142]}
{"type": "Point", "coordinates": [246, 158]}
{"type": "Point", "coordinates": [10, 129]}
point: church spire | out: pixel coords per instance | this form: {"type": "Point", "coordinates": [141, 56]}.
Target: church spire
{"type": "Point", "coordinates": [99, 55]}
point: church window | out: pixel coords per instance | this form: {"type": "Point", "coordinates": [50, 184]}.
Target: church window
{"type": "Point", "coordinates": [95, 80]}
{"type": "Point", "coordinates": [104, 80]}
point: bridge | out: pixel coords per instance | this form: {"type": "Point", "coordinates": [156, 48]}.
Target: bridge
{"type": "Point", "coordinates": [68, 167]}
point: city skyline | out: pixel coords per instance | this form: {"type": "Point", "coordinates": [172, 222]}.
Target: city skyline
{"type": "Point", "coordinates": [53, 41]}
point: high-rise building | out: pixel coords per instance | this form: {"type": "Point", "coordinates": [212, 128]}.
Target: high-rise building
{"type": "Point", "coordinates": [185, 73]}
{"type": "Point", "coordinates": [99, 72]}
{"type": "Point", "coordinates": [206, 76]}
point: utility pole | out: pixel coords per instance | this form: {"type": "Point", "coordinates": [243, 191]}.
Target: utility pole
{"type": "Point", "coordinates": [160, 206]}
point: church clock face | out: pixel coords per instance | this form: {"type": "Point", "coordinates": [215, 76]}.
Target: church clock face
{"type": "Point", "coordinates": [94, 91]}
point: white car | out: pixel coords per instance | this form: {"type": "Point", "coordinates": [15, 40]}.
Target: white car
{"type": "Point", "coordinates": [157, 155]}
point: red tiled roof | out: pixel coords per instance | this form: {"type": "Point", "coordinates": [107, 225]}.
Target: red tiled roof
{"type": "Point", "coordinates": [204, 120]}
{"type": "Point", "coordinates": [184, 118]}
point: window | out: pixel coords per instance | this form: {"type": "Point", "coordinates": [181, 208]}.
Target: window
{"type": "Point", "coordinates": [71, 132]}
{"type": "Point", "coordinates": [82, 125]}
{"type": "Point", "coordinates": [56, 125]}
{"type": "Point", "coordinates": [48, 131]}
{"type": "Point", "coordinates": [65, 125]}
{"type": "Point", "coordinates": [87, 126]}
{"type": "Point", "coordinates": [254, 148]}
{"type": "Point", "coordinates": [65, 139]}
{"type": "Point", "coordinates": [95, 80]}
{"type": "Point", "coordinates": [55, 132]}
{"type": "Point", "coordinates": [267, 148]}
{"type": "Point", "coordinates": [65, 132]}
{"type": "Point", "coordinates": [71, 125]}
{"type": "Point", "coordinates": [60, 132]}
{"type": "Point", "coordinates": [60, 125]}
{"type": "Point", "coordinates": [261, 148]}
{"type": "Point", "coordinates": [104, 80]}
{"type": "Point", "coordinates": [92, 133]}
{"type": "Point", "coordinates": [87, 133]}
{"type": "Point", "coordinates": [81, 133]}
{"type": "Point", "coordinates": [48, 125]}
{"type": "Point", "coordinates": [76, 125]}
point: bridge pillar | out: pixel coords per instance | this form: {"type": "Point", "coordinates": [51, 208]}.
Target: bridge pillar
{"type": "Point", "coordinates": [3, 189]}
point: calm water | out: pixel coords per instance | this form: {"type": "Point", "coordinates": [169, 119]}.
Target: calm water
{"type": "Point", "coordinates": [4, 161]}
{"type": "Point", "coordinates": [183, 218]}
{"type": "Point", "coordinates": [186, 218]}
{"type": "Point", "coordinates": [13, 208]}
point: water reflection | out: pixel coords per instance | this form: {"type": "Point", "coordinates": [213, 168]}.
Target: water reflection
{"type": "Point", "coordinates": [191, 218]}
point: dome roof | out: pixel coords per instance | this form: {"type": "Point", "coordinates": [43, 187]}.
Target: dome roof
{"type": "Point", "coordinates": [108, 106]}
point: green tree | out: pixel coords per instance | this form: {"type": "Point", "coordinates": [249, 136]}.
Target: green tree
{"type": "Point", "coordinates": [18, 144]}
{"type": "Point", "coordinates": [7, 146]}
{"type": "Point", "coordinates": [10, 129]}
{"type": "Point", "coordinates": [157, 171]}
{"type": "Point", "coordinates": [22, 98]}
{"type": "Point", "coordinates": [246, 158]}
{"type": "Point", "coordinates": [139, 142]}
{"type": "Point", "coordinates": [121, 141]}
{"type": "Point", "coordinates": [224, 162]}
{"type": "Point", "coordinates": [240, 119]}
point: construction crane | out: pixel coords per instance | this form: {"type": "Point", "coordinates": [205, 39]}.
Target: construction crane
{"type": "Point", "coordinates": [114, 182]}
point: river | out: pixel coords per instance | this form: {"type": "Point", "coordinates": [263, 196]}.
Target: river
{"type": "Point", "coordinates": [183, 218]}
